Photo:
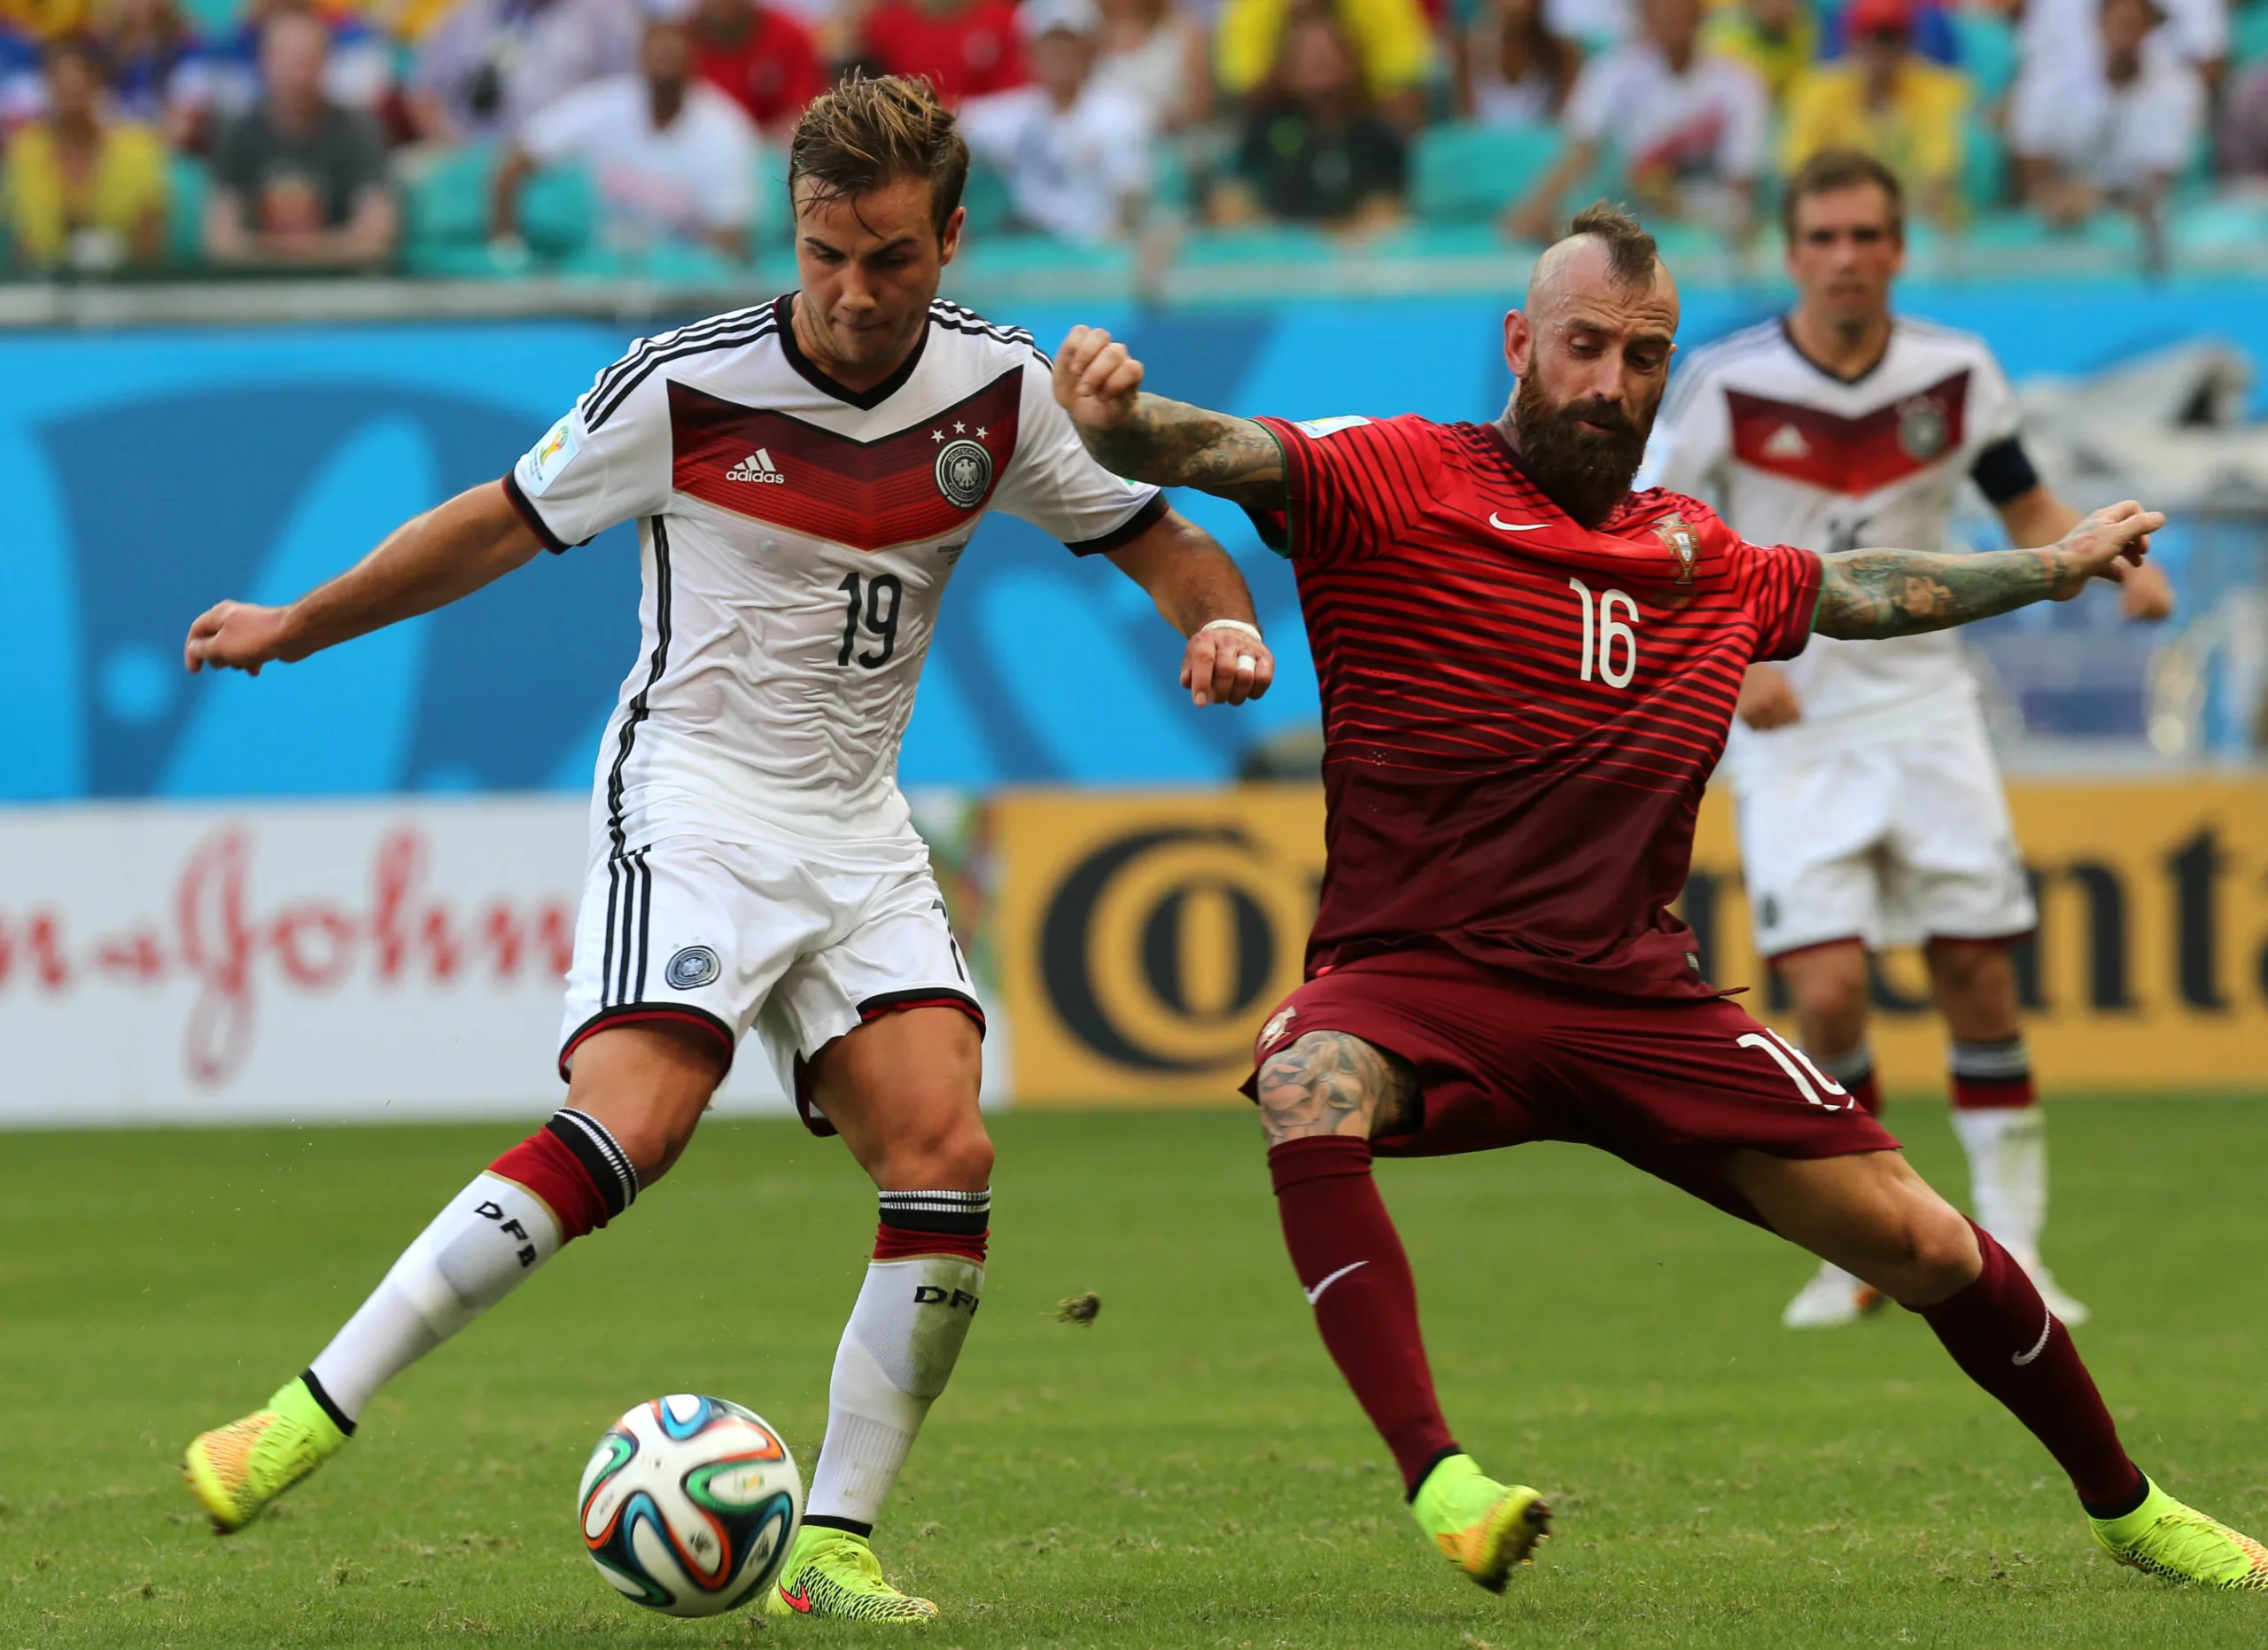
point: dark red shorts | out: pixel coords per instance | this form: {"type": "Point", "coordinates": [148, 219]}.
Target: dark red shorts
{"type": "Point", "coordinates": [1670, 1087]}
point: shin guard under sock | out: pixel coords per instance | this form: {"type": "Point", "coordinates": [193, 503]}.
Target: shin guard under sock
{"type": "Point", "coordinates": [554, 1187]}
{"type": "Point", "coordinates": [2005, 1340]}
{"type": "Point", "coordinates": [1352, 1267]}
{"type": "Point", "coordinates": [898, 1350]}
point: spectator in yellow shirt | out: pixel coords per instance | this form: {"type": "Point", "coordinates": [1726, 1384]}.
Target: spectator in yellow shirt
{"type": "Point", "coordinates": [1884, 98]}
{"type": "Point", "coordinates": [1776, 38]}
{"type": "Point", "coordinates": [45, 19]}
{"type": "Point", "coordinates": [1392, 43]}
{"type": "Point", "coordinates": [84, 193]}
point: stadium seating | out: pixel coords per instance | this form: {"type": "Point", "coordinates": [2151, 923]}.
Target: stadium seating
{"type": "Point", "coordinates": [187, 187]}
{"type": "Point", "coordinates": [1470, 174]}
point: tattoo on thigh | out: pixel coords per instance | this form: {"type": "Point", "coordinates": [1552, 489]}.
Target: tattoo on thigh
{"type": "Point", "coordinates": [1331, 1083]}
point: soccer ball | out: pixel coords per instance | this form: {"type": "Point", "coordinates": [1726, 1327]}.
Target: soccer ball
{"type": "Point", "coordinates": [689, 1504]}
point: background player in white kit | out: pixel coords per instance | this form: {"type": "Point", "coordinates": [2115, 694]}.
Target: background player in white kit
{"type": "Point", "coordinates": [1870, 810]}
{"type": "Point", "coordinates": [804, 474]}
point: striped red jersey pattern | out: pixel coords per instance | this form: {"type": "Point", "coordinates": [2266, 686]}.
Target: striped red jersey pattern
{"type": "Point", "coordinates": [1520, 713]}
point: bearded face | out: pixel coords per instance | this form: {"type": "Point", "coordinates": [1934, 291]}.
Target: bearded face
{"type": "Point", "coordinates": [1583, 453]}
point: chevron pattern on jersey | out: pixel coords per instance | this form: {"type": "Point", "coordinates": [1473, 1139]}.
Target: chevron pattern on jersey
{"type": "Point", "coordinates": [920, 482]}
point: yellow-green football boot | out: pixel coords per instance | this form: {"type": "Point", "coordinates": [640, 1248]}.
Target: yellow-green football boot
{"type": "Point", "coordinates": [832, 1575]}
{"type": "Point", "coordinates": [238, 1470]}
{"type": "Point", "coordinates": [2166, 1539]}
{"type": "Point", "coordinates": [1484, 1528]}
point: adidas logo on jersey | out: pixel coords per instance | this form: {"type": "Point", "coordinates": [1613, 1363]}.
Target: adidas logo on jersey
{"type": "Point", "coordinates": [1787, 441]}
{"type": "Point", "coordinates": [757, 467]}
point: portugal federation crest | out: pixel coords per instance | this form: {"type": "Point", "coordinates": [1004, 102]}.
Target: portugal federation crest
{"type": "Point", "coordinates": [964, 474]}
{"type": "Point", "coordinates": [1676, 535]}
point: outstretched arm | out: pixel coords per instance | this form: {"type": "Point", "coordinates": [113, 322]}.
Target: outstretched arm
{"type": "Point", "coordinates": [428, 562]}
{"type": "Point", "coordinates": [2038, 516]}
{"type": "Point", "coordinates": [1900, 593]}
{"type": "Point", "coordinates": [1147, 438]}
{"type": "Point", "coordinates": [1199, 593]}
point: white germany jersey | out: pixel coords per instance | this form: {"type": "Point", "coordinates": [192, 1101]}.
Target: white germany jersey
{"type": "Point", "coordinates": [1790, 453]}
{"type": "Point", "coordinates": [796, 538]}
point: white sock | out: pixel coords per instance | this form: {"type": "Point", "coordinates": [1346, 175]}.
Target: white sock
{"type": "Point", "coordinates": [2008, 1174]}
{"type": "Point", "coordinates": [490, 1235]}
{"type": "Point", "coordinates": [896, 1354]}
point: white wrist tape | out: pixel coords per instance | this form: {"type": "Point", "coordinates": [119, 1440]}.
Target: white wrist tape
{"type": "Point", "coordinates": [1232, 624]}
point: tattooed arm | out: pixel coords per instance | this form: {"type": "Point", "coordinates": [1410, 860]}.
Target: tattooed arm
{"type": "Point", "coordinates": [1898, 593]}
{"type": "Point", "coordinates": [1147, 438]}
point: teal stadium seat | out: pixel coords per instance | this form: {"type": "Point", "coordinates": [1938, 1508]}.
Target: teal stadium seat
{"type": "Point", "coordinates": [559, 212]}
{"type": "Point", "coordinates": [447, 204]}
{"type": "Point", "coordinates": [1260, 243]}
{"type": "Point", "coordinates": [1983, 164]}
{"type": "Point", "coordinates": [1018, 253]}
{"type": "Point", "coordinates": [774, 228]}
{"type": "Point", "coordinates": [215, 20]}
{"type": "Point", "coordinates": [670, 261]}
{"type": "Point", "coordinates": [188, 188]}
{"type": "Point", "coordinates": [2248, 34]}
{"type": "Point", "coordinates": [1986, 45]}
{"type": "Point", "coordinates": [1470, 174]}
{"type": "Point", "coordinates": [986, 200]}
{"type": "Point", "coordinates": [445, 217]}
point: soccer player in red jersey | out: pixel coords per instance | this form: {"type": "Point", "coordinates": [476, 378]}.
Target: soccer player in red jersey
{"type": "Point", "coordinates": [1528, 674]}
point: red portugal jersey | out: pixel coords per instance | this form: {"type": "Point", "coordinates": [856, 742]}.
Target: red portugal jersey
{"type": "Point", "coordinates": [1520, 713]}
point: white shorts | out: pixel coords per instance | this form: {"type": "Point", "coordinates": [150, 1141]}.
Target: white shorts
{"type": "Point", "coordinates": [730, 937]}
{"type": "Point", "coordinates": [1890, 842]}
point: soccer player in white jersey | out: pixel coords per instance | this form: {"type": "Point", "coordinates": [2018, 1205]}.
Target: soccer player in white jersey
{"type": "Point", "coordinates": [805, 475]}
{"type": "Point", "coordinates": [1870, 812]}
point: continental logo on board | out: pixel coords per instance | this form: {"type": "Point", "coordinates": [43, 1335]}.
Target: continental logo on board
{"type": "Point", "coordinates": [1146, 937]}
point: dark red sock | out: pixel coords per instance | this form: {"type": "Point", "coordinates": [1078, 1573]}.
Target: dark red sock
{"type": "Point", "coordinates": [2005, 1340]}
{"type": "Point", "coordinates": [1350, 1263]}
{"type": "Point", "coordinates": [1867, 1092]}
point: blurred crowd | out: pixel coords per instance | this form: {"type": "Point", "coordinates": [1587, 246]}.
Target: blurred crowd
{"type": "Point", "coordinates": [489, 135]}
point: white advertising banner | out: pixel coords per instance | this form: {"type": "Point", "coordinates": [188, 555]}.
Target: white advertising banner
{"type": "Point", "coordinates": [192, 963]}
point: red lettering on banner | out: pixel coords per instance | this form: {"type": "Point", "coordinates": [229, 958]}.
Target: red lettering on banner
{"type": "Point", "coordinates": [41, 937]}
{"type": "Point", "coordinates": [216, 947]}
{"type": "Point", "coordinates": [226, 943]}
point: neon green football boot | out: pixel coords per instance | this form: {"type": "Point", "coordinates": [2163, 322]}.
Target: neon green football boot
{"type": "Point", "coordinates": [833, 1575]}
{"type": "Point", "coordinates": [1484, 1528]}
{"type": "Point", "coordinates": [2166, 1539]}
{"type": "Point", "coordinates": [238, 1470]}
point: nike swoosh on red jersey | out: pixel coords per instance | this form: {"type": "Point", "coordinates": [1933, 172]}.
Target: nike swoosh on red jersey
{"type": "Point", "coordinates": [799, 1600]}
{"type": "Point", "coordinates": [1516, 526]}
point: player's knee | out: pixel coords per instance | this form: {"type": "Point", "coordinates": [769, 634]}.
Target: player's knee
{"type": "Point", "coordinates": [1928, 1254]}
{"type": "Point", "coordinates": [948, 1151]}
{"type": "Point", "coordinates": [1947, 1259]}
{"type": "Point", "coordinates": [1832, 1007]}
{"type": "Point", "coordinates": [653, 1141]}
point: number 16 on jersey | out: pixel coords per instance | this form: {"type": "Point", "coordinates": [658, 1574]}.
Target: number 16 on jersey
{"type": "Point", "coordinates": [1602, 631]}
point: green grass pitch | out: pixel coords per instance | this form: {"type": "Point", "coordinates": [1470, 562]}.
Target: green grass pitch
{"type": "Point", "coordinates": [1188, 1471]}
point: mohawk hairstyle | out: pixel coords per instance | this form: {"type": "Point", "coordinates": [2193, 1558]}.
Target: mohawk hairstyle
{"type": "Point", "coordinates": [1630, 251]}
{"type": "Point", "coordinates": [871, 132]}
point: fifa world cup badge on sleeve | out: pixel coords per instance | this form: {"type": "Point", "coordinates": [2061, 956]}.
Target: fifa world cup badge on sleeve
{"type": "Point", "coordinates": [549, 456]}
{"type": "Point", "coordinates": [1321, 427]}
